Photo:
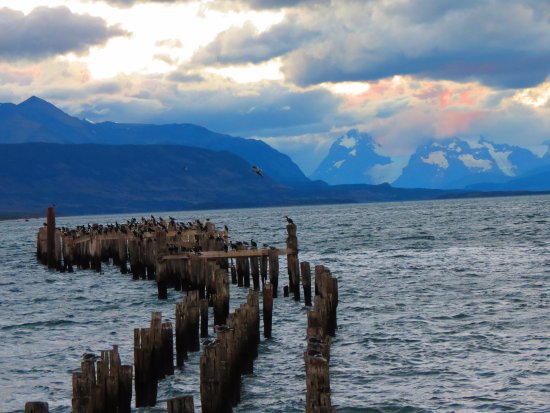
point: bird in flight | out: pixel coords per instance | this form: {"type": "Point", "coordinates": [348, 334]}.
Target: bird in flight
{"type": "Point", "coordinates": [257, 170]}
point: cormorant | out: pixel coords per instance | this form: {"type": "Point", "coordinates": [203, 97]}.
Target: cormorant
{"type": "Point", "coordinates": [290, 221]}
{"type": "Point", "coordinates": [89, 356]}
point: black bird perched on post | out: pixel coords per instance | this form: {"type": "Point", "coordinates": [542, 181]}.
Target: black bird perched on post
{"type": "Point", "coordinates": [258, 171]}
{"type": "Point", "coordinates": [290, 221]}
{"type": "Point", "coordinates": [89, 357]}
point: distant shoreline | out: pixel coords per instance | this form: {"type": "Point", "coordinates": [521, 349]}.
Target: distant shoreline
{"type": "Point", "coordinates": [8, 216]}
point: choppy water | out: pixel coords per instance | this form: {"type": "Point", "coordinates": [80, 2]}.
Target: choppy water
{"type": "Point", "coordinates": [444, 307]}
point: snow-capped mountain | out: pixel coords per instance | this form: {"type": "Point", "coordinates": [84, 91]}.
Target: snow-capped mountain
{"type": "Point", "coordinates": [457, 163]}
{"type": "Point", "coordinates": [354, 158]}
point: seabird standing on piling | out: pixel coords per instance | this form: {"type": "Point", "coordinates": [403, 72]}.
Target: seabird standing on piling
{"type": "Point", "coordinates": [290, 221]}
{"type": "Point", "coordinates": [89, 357]}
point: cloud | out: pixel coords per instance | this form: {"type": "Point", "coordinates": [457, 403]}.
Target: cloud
{"type": "Point", "coordinates": [228, 4]}
{"type": "Point", "coordinates": [246, 45]}
{"type": "Point", "coordinates": [51, 31]}
{"type": "Point", "coordinates": [307, 150]}
{"type": "Point", "coordinates": [258, 109]}
{"type": "Point", "coordinates": [503, 44]}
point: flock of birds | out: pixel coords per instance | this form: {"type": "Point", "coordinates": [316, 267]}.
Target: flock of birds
{"type": "Point", "coordinates": [138, 228]}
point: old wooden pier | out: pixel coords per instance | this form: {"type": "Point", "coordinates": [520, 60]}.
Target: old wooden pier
{"type": "Point", "coordinates": [201, 261]}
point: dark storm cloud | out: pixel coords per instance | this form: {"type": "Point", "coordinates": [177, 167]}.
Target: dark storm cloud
{"type": "Point", "coordinates": [503, 44]}
{"type": "Point", "coordinates": [245, 45]}
{"type": "Point", "coordinates": [50, 31]}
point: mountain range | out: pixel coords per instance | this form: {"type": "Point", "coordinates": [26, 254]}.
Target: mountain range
{"type": "Point", "coordinates": [48, 157]}
{"type": "Point", "coordinates": [451, 163]}
{"type": "Point", "coordinates": [36, 120]}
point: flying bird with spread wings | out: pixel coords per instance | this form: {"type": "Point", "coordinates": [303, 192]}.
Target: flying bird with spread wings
{"type": "Point", "coordinates": [257, 170]}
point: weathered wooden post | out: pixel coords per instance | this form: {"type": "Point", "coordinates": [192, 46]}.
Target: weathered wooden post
{"type": "Point", "coordinates": [306, 281]}
{"type": "Point", "coordinates": [317, 383]}
{"type": "Point", "coordinates": [167, 349]}
{"type": "Point", "coordinates": [204, 317]}
{"type": "Point", "coordinates": [182, 404]}
{"type": "Point", "coordinates": [36, 407]}
{"type": "Point", "coordinates": [273, 270]}
{"type": "Point", "coordinates": [263, 269]}
{"type": "Point", "coordinates": [105, 387]}
{"type": "Point", "coordinates": [292, 261]}
{"type": "Point", "coordinates": [221, 298]}
{"type": "Point", "coordinates": [50, 248]}
{"type": "Point", "coordinates": [268, 309]}
{"type": "Point", "coordinates": [233, 270]}
{"type": "Point", "coordinates": [194, 326]}
{"type": "Point", "coordinates": [255, 273]}
{"type": "Point", "coordinates": [122, 253]}
{"type": "Point", "coordinates": [246, 271]}
{"type": "Point", "coordinates": [161, 274]}
{"type": "Point", "coordinates": [146, 381]}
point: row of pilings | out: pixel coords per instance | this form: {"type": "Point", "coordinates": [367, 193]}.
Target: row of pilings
{"type": "Point", "coordinates": [194, 259]}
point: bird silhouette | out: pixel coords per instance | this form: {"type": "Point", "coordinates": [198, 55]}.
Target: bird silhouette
{"type": "Point", "coordinates": [257, 170]}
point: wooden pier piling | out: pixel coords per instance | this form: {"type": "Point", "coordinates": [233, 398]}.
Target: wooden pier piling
{"type": "Point", "coordinates": [292, 261]}
{"type": "Point", "coordinates": [321, 326]}
{"type": "Point", "coordinates": [187, 326]}
{"type": "Point", "coordinates": [267, 309]}
{"type": "Point", "coordinates": [273, 270]}
{"type": "Point", "coordinates": [36, 407]}
{"type": "Point", "coordinates": [153, 358]}
{"type": "Point", "coordinates": [204, 317]}
{"type": "Point", "coordinates": [103, 385]}
{"type": "Point", "coordinates": [306, 282]}
{"type": "Point", "coordinates": [182, 404]}
{"type": "Point", "coordinates": [317, 383]}
{"type": "Point", "coordinates": [231, 355]}
{"type": "Point", "coordinates": [193, 258]}
{"type": "Point", "coordinates": [51, 244]}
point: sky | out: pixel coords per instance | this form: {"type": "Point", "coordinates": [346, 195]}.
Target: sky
{"type": "Point", "coordinates": [295, 73]}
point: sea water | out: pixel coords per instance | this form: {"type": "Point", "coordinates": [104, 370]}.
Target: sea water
{"type": "Point", "coordinates": [444, 306]}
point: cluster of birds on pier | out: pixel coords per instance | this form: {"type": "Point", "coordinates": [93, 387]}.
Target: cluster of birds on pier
{"type": "Point", "coordinates": [152, 225]}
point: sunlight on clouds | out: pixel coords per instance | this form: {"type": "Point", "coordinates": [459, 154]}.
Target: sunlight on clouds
{"type": "Point", "coordinates": [536, 96]}
{"type": "Point", "coordinates": [163, 35]}
{"type": "Point", "coordinates": [251, 73]}
{"type": "Point", "coordinates": [347, 88]}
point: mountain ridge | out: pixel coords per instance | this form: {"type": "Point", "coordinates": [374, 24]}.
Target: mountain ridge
{"type": "Point", "coordinates": [36, 120]}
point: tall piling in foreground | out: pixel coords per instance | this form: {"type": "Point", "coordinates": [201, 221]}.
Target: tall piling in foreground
{"type": "Point", "coordinates": [36, 407]}
{"type": "Point", "coordinates": [292, 261]}
{"type": "Point", "coordinates": [317, 383]}
{"type": "Point", "coordinates": [321, 321]}
{"type": "Point", "coordinates": [182, 404]}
